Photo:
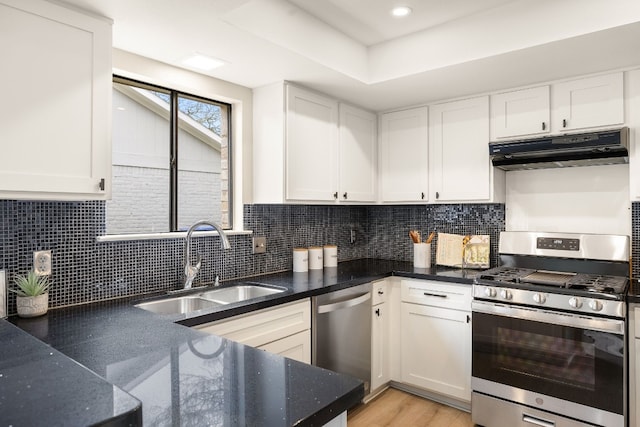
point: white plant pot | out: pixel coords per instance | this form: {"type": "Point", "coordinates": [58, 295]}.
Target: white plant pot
{"type": "Point", "coordinates": [32, 306]}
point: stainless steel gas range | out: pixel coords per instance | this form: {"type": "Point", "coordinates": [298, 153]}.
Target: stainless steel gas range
{"type": "Point", "coordinates": [548, 346]}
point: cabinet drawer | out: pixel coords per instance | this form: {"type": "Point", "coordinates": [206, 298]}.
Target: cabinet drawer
{"type": "Point", "coordinates": [380, 292]}
{"type": "Point", "coordinates": [263, 326]}
{"type": "Point", "coordinates": [437, 294]}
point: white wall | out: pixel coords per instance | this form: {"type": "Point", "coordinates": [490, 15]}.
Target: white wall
{"type": "Point", "coordinates": [590, 199]}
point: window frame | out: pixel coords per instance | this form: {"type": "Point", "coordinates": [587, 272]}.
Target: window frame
{"type": "Point", "coordinates": [173, 165]}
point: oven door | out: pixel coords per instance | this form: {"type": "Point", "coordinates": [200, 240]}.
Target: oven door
{"type": "Point", "coordinates": [560, 362]}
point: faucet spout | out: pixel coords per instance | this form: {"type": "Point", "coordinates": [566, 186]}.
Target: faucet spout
{"type": "Point", "coordinates": [190, 271]}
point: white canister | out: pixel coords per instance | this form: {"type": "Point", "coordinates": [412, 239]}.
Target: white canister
{"type": "Point", "coordinates": [315, 258]}
{"type": "Point", "coordinates": [422, 255]}
{"type": "Point", "coordinates": [300, 260]}
{"type": "Point", "coordinates": [330, 253]}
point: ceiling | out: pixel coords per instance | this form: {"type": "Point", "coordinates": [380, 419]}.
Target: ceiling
{"type": "Point", "coordinates": [355, 51]}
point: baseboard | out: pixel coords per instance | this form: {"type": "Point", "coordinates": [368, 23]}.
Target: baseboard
{"type": "Point", "coordinates": [445, 400]}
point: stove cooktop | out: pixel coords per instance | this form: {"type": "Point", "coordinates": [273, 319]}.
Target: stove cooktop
{"type": "Point", "coordinates": [548, 280]}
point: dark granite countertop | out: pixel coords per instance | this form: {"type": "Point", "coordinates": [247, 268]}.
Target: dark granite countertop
{"type": "Point", "coordinates": [183, 376]}
{"type": "Point", "coordinates": [41, 386]}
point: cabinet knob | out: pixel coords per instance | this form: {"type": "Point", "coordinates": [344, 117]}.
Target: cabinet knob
{"type": "Point", "coordinates": [380, 292]}
{"type": "Point", "coordinates": [422, 195]}
{"type": "Point", "coordinates": [468, 318]}
{"type": "Point", "coordinates": [437, 194]}
{"type": "Point", "coordinates": [544, 126]}
{"type": "Point", "coordinates": [101, 184]}
{"type": "Point", "coordinates": [335, 195]}
{"type": "Point", "coordinates": [564, 123]}
{"type": "Point", "coordinates": [378, 312]}
{"type": "Point", "coordinates": [345, 195]}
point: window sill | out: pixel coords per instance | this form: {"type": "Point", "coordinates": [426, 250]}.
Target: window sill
{"type": "Point", "coordinates": [170, 235]}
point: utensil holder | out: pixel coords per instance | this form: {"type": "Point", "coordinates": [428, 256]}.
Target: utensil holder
{"type": "Point", "coordinates": [422, 255]}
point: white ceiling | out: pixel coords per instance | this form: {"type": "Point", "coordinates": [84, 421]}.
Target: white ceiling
{"type": "Point", "coordinates": [355, 51]}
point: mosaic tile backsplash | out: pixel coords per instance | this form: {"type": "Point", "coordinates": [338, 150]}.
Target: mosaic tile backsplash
{"type": "Point", "coordinates": [85, 270]}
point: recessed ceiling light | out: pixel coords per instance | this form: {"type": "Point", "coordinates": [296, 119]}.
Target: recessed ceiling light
{"type": "Point", "coordinates": [400, 11]}
{"type": "Point", "coordinates": [202, 62]}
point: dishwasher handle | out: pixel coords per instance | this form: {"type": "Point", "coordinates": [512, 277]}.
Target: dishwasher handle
{"type": "Point", "coordinates": [328, 308]}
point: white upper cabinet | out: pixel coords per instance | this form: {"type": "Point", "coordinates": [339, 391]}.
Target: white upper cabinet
{"type": "Point", "coordinates": [587, 103]}
{"type": "Point", "coordinates": [520, 113]}
{"type": "Point", "coordinates": [357, 147]}
{"type": "Point", "coordinates": [404, 155]}
{"type": "Point", "coordinates": [563, 107]}
{"type": "Point", "coordinates": [459, 164]}
{"type": "Point", "coordinates": [56, 88]}
{"type": "Point", "coordinates": [311, 146]}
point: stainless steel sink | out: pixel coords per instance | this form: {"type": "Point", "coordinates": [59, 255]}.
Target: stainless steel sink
{"type": "Point", "coordinates": [209, 299]}
{"type": "Point", "coordinates": [239, 293]}
{"type": "Point", "coordinates": [179, 305]}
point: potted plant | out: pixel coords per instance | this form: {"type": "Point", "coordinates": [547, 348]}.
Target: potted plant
{"type": "Point", "coordinates": [32, 295]}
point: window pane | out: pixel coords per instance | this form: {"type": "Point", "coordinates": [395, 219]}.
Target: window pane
{"type": "Point", "coordinates": [203, 158]}
{"type": "Point", "coordinates": [140, 188]}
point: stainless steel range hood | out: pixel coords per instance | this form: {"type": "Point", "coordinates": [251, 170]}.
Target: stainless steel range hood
{"type": "Point", "coordinates": [587, 149]}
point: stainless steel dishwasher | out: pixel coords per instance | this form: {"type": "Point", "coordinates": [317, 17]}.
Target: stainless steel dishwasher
{"type": "Point", "coordinates": [341, 330]}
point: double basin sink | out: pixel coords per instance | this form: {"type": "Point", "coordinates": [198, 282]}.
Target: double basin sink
{"type": "Point", "coordinates": [208, 299]}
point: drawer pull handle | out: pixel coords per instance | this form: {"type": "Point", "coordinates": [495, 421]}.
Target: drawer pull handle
{"type": "Point", "coordinates": [537, 421]}
{"type": "Point", "coordinates": [428, 294]}
{"type": "Point", "coordinates": [380, 292]}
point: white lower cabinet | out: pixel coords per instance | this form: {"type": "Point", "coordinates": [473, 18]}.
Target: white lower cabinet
{"type": "Point", "coordinates": [380, 333]}
{"type": "Point", "coordinates": [296, 347]}
{"type": "Point", "coordinates": [284, 330]}
{"type": "Point", "coordinates": [436, 337]}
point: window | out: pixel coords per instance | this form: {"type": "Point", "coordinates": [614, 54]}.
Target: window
{"type": "Point", "coordinates": [171, 160]}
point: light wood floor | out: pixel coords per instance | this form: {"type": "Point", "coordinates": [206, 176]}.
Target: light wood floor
{"type": "Point", "coordinates": [397, 408]}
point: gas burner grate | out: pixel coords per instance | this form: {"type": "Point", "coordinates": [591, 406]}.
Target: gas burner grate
{"type": "Point", "coordinates": [505, 274]}
{"type": "Point", "coordinates": [598, 283]}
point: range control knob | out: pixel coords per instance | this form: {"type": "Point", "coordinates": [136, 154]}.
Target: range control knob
{"type": "Point", "coordinates": [490, 292]}
{"type": "Point", "coordinates": [506, 294]}
{"type": "Point", "coordinates": [575, 302]}
{"type": "Point", "coordinates": [595, 305]}
{"type": "Point", "coordinates": [539, 298]}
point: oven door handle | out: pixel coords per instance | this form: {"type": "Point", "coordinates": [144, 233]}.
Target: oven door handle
{"type": "Point", "coordinates": [537, 421]}
{"type": "Point", "coordinates": [555, 318]}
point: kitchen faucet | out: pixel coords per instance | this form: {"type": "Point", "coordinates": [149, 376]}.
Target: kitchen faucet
{"type": "Point", "coordinates": [190, 271]}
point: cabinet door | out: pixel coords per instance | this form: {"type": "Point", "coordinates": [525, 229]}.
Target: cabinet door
{"type": "Point", "coordinates": [263, 326]}
{"type": "Point", "coordinates": [404, 155]}
{"type": "Point", "coordinates": [296, 347]}
{"type": "Point", "coordinates": [520, 113]}
{"type": "Point", "coordinates": [436, 350]}
{"type": "Point", "coordinates": [357, 155]}
{"type": "Point", "coordinates": [589, 102]}
{"type": "Point", "coordinates": [380, 364]}
{"type": "Point", "coordinates": [311, 144]}
{"type": "Point", "coordinates": [394, 309]}
{"type": "Point", "coordinates": [459, 163]}
{"type": "Point", "coordinates": [56, 90]}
